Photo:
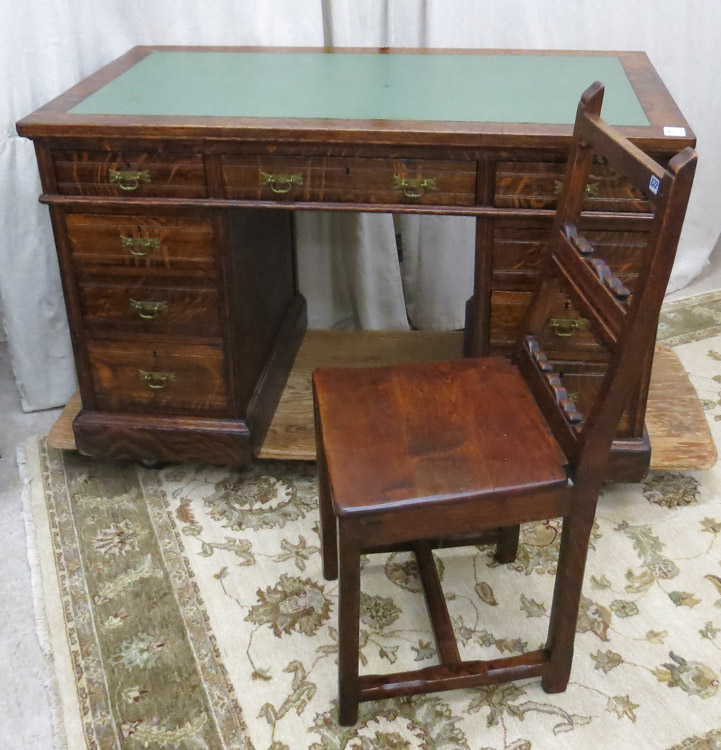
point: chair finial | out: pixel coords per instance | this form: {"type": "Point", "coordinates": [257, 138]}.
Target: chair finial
{"type": "Point", "coordinates": [592, 97]}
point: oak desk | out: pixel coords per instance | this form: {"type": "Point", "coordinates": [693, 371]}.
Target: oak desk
{"type": "Point", "coordinates": [172, 175]}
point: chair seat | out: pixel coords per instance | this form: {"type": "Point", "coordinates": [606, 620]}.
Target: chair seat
{"type": "Point", "coordinates": [429, 432]}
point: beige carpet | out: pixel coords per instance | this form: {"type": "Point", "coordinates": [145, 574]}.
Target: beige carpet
{"type": "Point", "coordinates": [185, 609]}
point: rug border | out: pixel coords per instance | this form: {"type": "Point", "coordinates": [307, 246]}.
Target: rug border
{"type": "Point", "coordinates": [708, 295]}
{"type": "Point", "coordinates": [699, 334]}
{"type": "Point", "coordinates": [68, 733]}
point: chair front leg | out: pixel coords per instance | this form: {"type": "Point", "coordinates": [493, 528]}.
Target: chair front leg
{"type": "Point", "coordinates": [328, 523]}
{"type": "Point", "coordinates": [348, 627]}
{"type": "Point", "coordinates": [566, 599]}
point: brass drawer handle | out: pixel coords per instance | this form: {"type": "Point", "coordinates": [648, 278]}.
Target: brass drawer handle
{"type": "Point", "coordinates": [565, 327]}
{"type": "Point", "coordinates": [280, 183]}
{"type": "Point", "coordinates": [156, 380]}
{"type": "Point", "coordinates": [414, 187]}
{"type": "Point", "coordinates": [147, 243]}
{"type": "Point", "coordinates": [128, 179]}
{"type": "Point", "coordinates": [591, 189]}
{"type": "Point", "coordinates": [148, 310]}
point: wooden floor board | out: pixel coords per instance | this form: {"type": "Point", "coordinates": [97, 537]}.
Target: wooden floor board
{"type": "Point", "coordinates": [676, 423]}
{"type": "Point", "coordinates": [291, 433]}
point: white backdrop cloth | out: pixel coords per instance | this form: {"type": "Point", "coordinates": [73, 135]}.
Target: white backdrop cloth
{"type": "Point", "coordinates": [349, 266]}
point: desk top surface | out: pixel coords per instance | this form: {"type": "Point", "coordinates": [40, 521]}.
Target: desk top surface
{"type": "Point", "coordinates": [437, 87]}
{"type": "Point", "coordinates": [423, 97]}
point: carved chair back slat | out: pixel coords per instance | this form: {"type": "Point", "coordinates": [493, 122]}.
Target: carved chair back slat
{"type": "Point", "coordinates": [622, 321]}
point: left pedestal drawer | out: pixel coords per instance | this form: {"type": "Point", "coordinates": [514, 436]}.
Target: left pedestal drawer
{"type": "Point", "coordinates": [155, 306]}
{"type": "Point", "coordinates": [141, 242]}
{"type": "Point", "coordinates": [158, 378]}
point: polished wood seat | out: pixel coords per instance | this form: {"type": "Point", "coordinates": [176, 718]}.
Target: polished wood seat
{"type": "Point", "coordinates": [451, 453]}
{"type": "Point", "coordinates": [433, 431]}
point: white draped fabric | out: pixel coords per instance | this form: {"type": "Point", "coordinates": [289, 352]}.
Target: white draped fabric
{"type": "Point", "coordinates": [349, 265]}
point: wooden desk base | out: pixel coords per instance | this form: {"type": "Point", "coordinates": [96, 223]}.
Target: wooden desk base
{"type": "Point", "coordinates": [677, 426]}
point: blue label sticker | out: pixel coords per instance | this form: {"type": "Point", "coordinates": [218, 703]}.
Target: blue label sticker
{"type": "Point", "coordinates": [654, 184]}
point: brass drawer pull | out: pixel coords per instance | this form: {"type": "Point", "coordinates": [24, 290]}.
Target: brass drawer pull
{"type": "Point", "coordinates": [565, 327]}
{"type": "Point", "coordinates": [148, 310]}
{"type": "Point", "coordinates": [414, 187]}
{"type": "Point", "coordinates": [156, 380]}
{"type": "Point", "coordinates": [280, 183]}
{"type": "Point", "coordinates": [147, 243]}
{"type": "Point", "coordinates": [128, 179]}
{"type": "Point", "coordinates": [591, 189]}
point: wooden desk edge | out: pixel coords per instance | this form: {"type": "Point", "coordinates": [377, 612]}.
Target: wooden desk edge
{"type": "Point", "coordinates": [53, 120]}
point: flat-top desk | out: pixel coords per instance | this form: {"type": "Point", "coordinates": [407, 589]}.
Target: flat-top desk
{"type": "Point", "coordinates": [172, 175]}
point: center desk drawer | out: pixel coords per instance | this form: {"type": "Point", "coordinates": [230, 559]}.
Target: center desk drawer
{"type": "Point", "coordinates": [145, 305]}
{"type": "Point", "coordinates": [365, 180]}
{"type": "Point", "coordinates": [161, 378]}
{"type": "Point", "coordinates": [130, 174]}
{"type": "Point", "coordinates": [141, 242]}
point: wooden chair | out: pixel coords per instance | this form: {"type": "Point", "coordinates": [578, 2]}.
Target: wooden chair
{"type": "Point", "coordinates": [420, 455]}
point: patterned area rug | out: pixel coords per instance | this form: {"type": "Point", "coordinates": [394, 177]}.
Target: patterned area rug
{"type": "Point", "coordinates": [185, 609]}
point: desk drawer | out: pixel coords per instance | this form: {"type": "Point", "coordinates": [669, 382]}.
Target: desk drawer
{"type": "Point", "coordinates": [130, 175]}
{"type": "Point", "coordinates": [566, 338]}
{"type": "Point", "coordinates": [317, 179]}
{"type": "Point", "coordinates": [538, 185]}
{"type": "Point", "coordinates": [142, 305]}
{"type": "Point", "coordinates": [162, 378]}
{"type": "Point", "coordinates": [141, 242]}
{"type": "Point", "coordinates": [517, 252]}
{"type": "Point", "coordinates": [583, 381]}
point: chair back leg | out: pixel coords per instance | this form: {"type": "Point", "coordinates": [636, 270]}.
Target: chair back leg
{"type": "Point", "coordinates": [507, 546]}
{"type": "Point", "coordinates": [575, 537]}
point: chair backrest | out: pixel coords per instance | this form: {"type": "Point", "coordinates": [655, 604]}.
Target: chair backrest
{"type": "Point", "coordinates": [622, 322]}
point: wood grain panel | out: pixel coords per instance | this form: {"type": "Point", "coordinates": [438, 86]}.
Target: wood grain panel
{"type": "Point", "coordinates": [195, 383]}
{"type": "Point", "coordinates": [583, 385]}
{"type": "Point", "coordinates": [170, 175]}
{"type": "Point", "coordinates": [517, 251]}
{"type": "Point", "coordinates": [162, 438]}
{"type": "Point", "coordinates": [537, 185]}
{"type": "Point", "coordinates": [507, 311]}
{"type": "Point", "coordinates": [363, 180]}
{"type": "Point", "coordinates": [184, 244]}
{"type": "Point", "coordinates": [150, 308]}
{"type": "Point", "coordinates": [680, 433]}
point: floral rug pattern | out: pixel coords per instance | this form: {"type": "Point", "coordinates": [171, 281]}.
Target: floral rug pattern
{"type": "Point", "coordinates": [196, 616]}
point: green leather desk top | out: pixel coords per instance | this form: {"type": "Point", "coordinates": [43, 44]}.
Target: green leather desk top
{"type": "Point", "coordinates": [500, 87]}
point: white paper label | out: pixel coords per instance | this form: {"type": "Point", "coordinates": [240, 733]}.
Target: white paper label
{"type": "Point", "coordinates": [654, 184]}
{"type": "Point", "coordinates": [669, 130]}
